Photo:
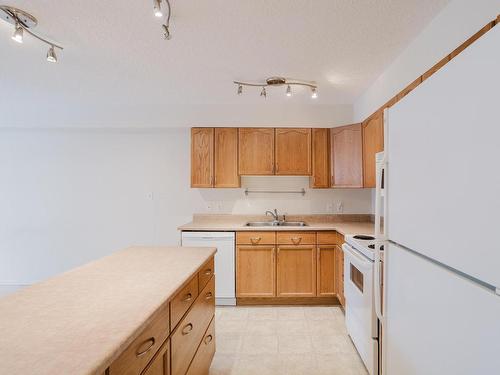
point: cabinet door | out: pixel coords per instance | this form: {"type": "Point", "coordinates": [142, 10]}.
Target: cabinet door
{"type": "Point", "coordinates": [293, 151]}
{"type": "Point", "coordinates": [327, 271]}
{"type": "Point", "coordinates": [160, 365]}
{"type": "Point", "coordinates": [296, 271]}
{"type": "Point", "coordinates": [202, 157]}
{"type": "Point", "coordinates": [339, 274]}
{"type": "Point", "coordinates": [226, 158]}
{"type": "Point", "coordinates": [256, 151]}
{"type": "Point", "coordinates": [373, 142]}
{"type": "Point", "coordinates": [255, 271]}
{"type": "Point", "coordinates": [320, 158]}
{"type": "Point", "coordinates": [347, 156]}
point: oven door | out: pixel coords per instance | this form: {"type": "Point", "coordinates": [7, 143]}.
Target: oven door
{"type": "Point", "coordinates": [360, 317]}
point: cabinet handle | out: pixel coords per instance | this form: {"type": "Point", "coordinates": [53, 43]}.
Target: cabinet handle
{"type": "Point", "coordinates": [208, 296]}
{"type": "Point", "coordinates": [208, 339]}
{"type": "Point", "coordinates": [187, 298]}
{"type": "Point", "coordinates": [150, 342]}
{"type": "Point", "coordinates": [208, 272]}
{"type": "Point", "coordinates": [187, 329]}
{"type": "Point", "coordinates": [255, 240]}
{"type": "Point", "coordinates": [296, 240]}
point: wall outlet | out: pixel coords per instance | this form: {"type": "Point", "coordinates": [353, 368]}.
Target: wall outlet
{"type": "Point", "coordinates": [340, 207]}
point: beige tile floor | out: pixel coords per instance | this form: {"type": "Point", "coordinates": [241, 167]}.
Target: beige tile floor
{"type": "Point", "coordinates": [283, 341]}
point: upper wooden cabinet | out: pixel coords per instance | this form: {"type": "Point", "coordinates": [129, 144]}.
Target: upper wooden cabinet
{"type": "Point", "coordinates": [293, 151]}
{"type": "Point", "coordinates": [202, 157]}
{"type": "Point", "coordinates": [373, 142]}
{"type": "Point", "coordinates": [347, 156]}
{"type": "Point", "coordinates": [226, 158]}
{"type": "Point", "coordinates": [256, 151]}
{"type": "Point", "coordinates": [320, 158]}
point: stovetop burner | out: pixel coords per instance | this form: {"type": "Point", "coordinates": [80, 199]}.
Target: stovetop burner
{"type": "Point", "coordinates": [372, 246]}
{"type": "Point", "coordinates": [363, 237]}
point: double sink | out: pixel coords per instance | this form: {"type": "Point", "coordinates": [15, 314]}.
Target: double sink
{"type": "Point", "coordinates": [276, 224]}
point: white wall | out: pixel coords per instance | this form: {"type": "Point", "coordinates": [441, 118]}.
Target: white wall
{"type": "Point", "coordinates": [70, 196]}
{"type": "Point", "coordinates": [451, 27]}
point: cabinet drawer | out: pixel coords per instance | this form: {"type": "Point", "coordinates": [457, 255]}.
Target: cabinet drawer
{"type": "Point", "coordinates": [205, 274]}
{"type": "Point", "coordinates": [182, 301]}
{"type": "Point", "coordinates": [190, 331]}
{"type": "Point", "coordinates": [138, 354]}
{"type": "Point", "coordinates": [204, 355]}
{"type": "Point", "coordinates": [328, 238]}
{"type": "Point", "coordinates": [296, 238]}
{"type": "Point", "coordinates": [256, 238]}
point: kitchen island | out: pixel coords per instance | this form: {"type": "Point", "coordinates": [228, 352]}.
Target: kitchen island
{"type": "Point", "coordinates": [122, 314]}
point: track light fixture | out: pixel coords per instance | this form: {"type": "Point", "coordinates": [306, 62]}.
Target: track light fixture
{"type": "Point", "coordinates": [159, 13]}
{"type": "Point", "coordinates": [278, 81]}
{"type": "Point", "coordinates": [25, 22]}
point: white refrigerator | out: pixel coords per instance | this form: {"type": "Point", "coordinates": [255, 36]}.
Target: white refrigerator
{"type": "Point", "coordinates": [441, 212]}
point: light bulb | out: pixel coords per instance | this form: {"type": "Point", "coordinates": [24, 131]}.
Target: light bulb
{"type": "Point", "coordinates": [18, 34]}
{"type": "Point", "coordinates": [263, 92]}
{"type": "Point", "coordinates": [51, 55]}
{"type": "Point", "coordinates": [240, 89]}
{"type": "Point", "coordinates": [157, 8]}
{"type": "Point", "coordinates": [314, 94]}
{"type": "Point", "coordinates": [288, 91]}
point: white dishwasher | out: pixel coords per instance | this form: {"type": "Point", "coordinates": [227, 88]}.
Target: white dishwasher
{"type": "Point", "coordinates": [225, 286]}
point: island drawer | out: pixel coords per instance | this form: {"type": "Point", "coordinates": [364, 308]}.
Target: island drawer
{"type": "Point", "coordinates": [138, 354]}
{"type": "Point", "coordinates": [296, 238]}
{"type": "Point", "coordinates": [328, 238]}
{"type": "Point", "coordinates": [182, 301]}
{"type": "Point", "coordinates": [206, 350]}
{"type": "Point", "coordinates": [189, 333]}
{"type": "Point", "coordinates": [256, 238]}
{"type": "Point", "coordinates": [206, 273]}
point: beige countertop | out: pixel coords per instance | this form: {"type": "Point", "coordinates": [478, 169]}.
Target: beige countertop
{"type": "Point", "coordinates": [344, 224]}
{"type": "Point", "coordinates": [80, 321]}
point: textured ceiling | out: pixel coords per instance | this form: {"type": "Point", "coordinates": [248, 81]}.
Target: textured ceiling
{"type": "Point", "coordinates": [116, 66]}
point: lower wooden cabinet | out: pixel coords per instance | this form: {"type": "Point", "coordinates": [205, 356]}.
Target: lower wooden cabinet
{"type": "Point", "coordinates": [326, 271]}
{"type": "Point", "coordinates": [204, 355]}
{"type": "Point", "coordinates": [339, 271]}
{"type": "Point", "coordinates": [160, 365]}
{"type": "Point", "coordinates": [296, 271]}
{"type": "Point", "coordinates": [255, 270]}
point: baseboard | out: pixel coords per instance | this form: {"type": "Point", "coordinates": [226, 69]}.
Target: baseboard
{"type": "Point", "coordinates": [294, 301]}
{"type": "Point", "coordinates": [224, 301]}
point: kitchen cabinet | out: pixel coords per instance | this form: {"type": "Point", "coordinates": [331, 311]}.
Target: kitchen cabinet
{"type": "Point", "coordinates": [296, 271]}
{"type": "Point", "coordinates": [255, 270]}
{"type": "Point", "coordinates": [320, 159]}
{"type": "Point", "coordinates": [226, 158]}
{"type": "Point", "coordinates": [339, 274]}
{"type": "Point", "coordinates": [326, 271]}
{"type": "Point", "coordinates": [160, 365]}
{"type": "Point", "coordinates": [256, 151]}
{"type": "Point", "coordinates": [373, 142]}
{"type": "Point", "coordinates": [202, 157]}
{"type": "Point", "coordinates": [293, 151]}
{"type": "Point", "coordinates": [347, 156]}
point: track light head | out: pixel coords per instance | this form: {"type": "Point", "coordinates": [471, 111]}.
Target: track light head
{"type": "Point", "coordinates": [288, 91]}
{"type": "Point", "coordinates": [51, 55]}
{"type": "Point", "coordinates": [18, 33]}
{"type": "Point", "coordinates": [263, 93]}
{"type": "Point", "coordinates": [314, 93]}
{"type": "Point", "coordinates": [240, 89]}
{"type": "Point", "coordinates": [157, 8]}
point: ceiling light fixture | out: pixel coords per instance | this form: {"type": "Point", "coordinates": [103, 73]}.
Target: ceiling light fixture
{"type": "Point", "coordinates": [159, 13]}
{"type": "Point", "coordinates": [25, 22]}
{"type": "Point", "coordinates": [278, 81]}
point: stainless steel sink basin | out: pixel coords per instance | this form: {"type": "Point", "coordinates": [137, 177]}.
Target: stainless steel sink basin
{"type": "Point", "coordinates": [276, 224]}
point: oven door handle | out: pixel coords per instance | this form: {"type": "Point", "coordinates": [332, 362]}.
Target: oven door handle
{"type": "Point", "coordinates": [359, 260]}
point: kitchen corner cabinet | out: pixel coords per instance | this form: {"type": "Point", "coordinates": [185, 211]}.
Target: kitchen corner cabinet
{"type": "Point", "coordinates": [293, 151]}
{"type": "Point", "coordinates": [320, 158]}
{"type": "Point", "coordinates": [327, 271]}
{"type": "Point", "coordinates": [226, 158]}
{"type": "Point", "coordinates": [347, 156]}
{"type": "Point", "coordinates": [202, 157]}
{"type": "Point", "coordinates": [373, 142]}
{"type": "Point", "coordinates": [256, 151]}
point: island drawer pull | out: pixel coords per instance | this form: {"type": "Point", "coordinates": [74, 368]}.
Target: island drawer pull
{"type": "Point", "coordinates": [209, 295]}
{"type": "Point", "coordinates": [255, 240]}
{"type": "Point", "coordinates": [150, 341]}
{"type": "Point", "coordinates": [187, 298]}
{"type": "Point", "coordinates": [208, 339]}
{"type": "Point", "coordinates": [187, 329]}
{"type": "Point", "coordinates": [208, 271]}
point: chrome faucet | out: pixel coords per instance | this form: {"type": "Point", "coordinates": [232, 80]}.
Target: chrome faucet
{"type": "Point", "coordinates": [274, 214]}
